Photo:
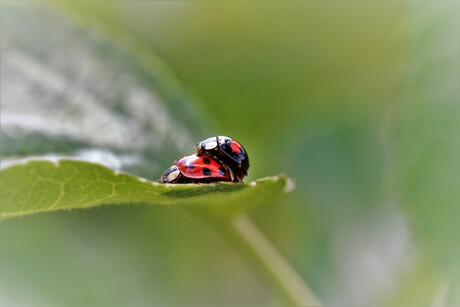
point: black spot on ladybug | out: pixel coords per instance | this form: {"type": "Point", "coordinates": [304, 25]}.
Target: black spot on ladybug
{"type": "Point", "coordinates": [206, 161]}
{"type": "Point", "coordinates": [206, 171]}
{"type": "Point", "coordinates": [222, 171]}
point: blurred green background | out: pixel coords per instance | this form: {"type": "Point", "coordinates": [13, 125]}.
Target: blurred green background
{"type": "Point", "coordinates": [359, 102]}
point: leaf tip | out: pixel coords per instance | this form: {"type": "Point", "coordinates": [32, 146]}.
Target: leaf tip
{"type": "Point", "coordinates": [290, 185]}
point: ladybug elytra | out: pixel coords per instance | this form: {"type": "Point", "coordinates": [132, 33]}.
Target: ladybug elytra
{"type": "Point", "coordinates": [196, 169]}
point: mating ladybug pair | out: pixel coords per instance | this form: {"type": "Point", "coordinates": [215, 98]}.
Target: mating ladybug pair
{"type": "Point", "coordinates": [218, 158]}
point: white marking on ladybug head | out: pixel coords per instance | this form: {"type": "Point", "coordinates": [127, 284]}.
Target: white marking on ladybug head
{"type": "Point", "coordinates": [173, 175]}
{"type": "Point", "coordinates": [210, 145]}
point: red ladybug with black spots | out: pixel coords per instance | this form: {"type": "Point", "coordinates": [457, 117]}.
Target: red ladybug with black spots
{"type": "Point", "coordinates": [196, 169]}
{"type": "Point", "coordinates": [228, 151]}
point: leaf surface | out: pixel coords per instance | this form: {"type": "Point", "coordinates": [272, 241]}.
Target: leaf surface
{"type": "Point", "coordinates": [46, 186]}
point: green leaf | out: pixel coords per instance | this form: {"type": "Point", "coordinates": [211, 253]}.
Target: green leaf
{"type": "Point", "coordinates": [46, 186]}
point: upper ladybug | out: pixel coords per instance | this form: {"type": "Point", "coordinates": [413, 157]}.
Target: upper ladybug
{"type": "Point", "coordinates": [228, 151]}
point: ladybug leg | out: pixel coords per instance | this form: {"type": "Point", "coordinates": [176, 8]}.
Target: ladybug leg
{"type": "Point", "coordinates": [234, 175]}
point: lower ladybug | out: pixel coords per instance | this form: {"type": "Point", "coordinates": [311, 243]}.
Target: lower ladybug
{"type": "Point", "coordinates": [196, 169]}
{"type": "Point", "coordinates": [227, 150]}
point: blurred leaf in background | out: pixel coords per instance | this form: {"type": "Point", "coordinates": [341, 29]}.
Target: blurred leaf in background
{"type": "Point", "coordinates": [68, 90]}
{"type": "Point", "coordinates": [358, 101]}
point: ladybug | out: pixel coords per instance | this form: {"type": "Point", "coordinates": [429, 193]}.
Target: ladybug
{"type": "Point", "coordinates": [227, 150]}
{"type": "Point", "coordinates": [196, 169]}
